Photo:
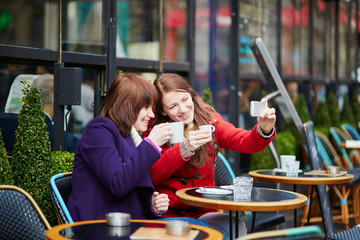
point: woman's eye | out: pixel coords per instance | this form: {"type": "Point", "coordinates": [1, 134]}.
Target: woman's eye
{"type": "Point", "coordinates": [172, 107]}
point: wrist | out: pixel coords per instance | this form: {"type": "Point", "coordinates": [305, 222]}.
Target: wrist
{"type": "Point", "coordinates": [185, 151]}
{"type": "Point", "coordinates": [264, 134]}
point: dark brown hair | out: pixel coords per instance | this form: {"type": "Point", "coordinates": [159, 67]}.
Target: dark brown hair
{"type": "Point", "coordinates": [128, 94]}
{"type": "Point", "coordinates": [169, 82]}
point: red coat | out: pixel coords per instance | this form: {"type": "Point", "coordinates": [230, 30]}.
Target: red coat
{"type": "Point", "coordinates": [171, 162]}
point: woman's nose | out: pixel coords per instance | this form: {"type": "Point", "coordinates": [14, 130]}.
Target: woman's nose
{"type": "Point", "coordinates": [151, 114]}
{"type": "Point", "coordinates": [182, 108]}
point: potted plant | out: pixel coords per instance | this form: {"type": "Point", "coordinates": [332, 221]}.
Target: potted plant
{"type": "Point", "coordinates": [332, 104]}
{"type": "Point", "coordinates": [355, 106]}
{"type": "Point", "coordinates": [32, 161]}
{"type": "Point", "coordinates": [6, 175]}
{"type": "Point", "coordinates": [322, 121]}
{"type": "Point", "coordinates": [63, 161]}
{"type": "Point", "coordinates": [347, 115]}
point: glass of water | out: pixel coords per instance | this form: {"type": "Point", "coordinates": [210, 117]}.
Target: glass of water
{"type": "Point", "coordinates": [242, 188]}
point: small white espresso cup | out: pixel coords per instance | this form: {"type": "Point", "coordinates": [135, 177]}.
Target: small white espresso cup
{"type": "Point", "coordinates": [178, 130]}
{"type": "Point", "coordinates": [286, 158]}
{"type": "Point", "coordinates": [209, 127]}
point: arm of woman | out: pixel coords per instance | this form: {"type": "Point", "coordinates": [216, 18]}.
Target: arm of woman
{"type": "Point", "coordinates": [167, 164]}
{"type": "Point", "coordinates": [238, 139]}
{"type": "Point", "coordinates": [114, 160]}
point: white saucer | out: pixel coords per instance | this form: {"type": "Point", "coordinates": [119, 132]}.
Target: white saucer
{"type": "Point", "coordinates": [227, 187]}
{"type": "Point", "coordinates": [211, 192]}
{"type": "Point", "coordinates": [283, 170]}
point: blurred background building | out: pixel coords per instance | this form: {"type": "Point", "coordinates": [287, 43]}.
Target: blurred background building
{"type": "Point", "coordinates": [313, 43]}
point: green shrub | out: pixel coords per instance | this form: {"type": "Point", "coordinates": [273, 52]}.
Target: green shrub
{"type": "Point", "coordinates": [6, 175]}
{"type": "Point", "coordinates": [333, 109]}
{"type": "Point", "coordinates": [322, 118]}
{"type": "Point", "coordinates": [355, 106]}
{"type": "Point", "coordinates": [32, 162]}
{"type": "Point", "coordinates": [64, 161]}
{"type": "Point", "coordinates": [284, 143]}
{"type": "Point", "coordinates": [347, 115]}
{"type": "Point", "coordinates": [302, 109]}
{"type": "Point", "coordinates": [207, 96]}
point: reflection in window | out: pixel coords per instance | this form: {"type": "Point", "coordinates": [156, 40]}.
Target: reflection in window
{"type": "Point", "coordinates": [257, 19]}
{"type": "Point", "coordinates": [84, 29]}
{"type": "Point", "coordinates": [319, 34]}
{"type": "Point", "coordinates": [22, 22]}
{"type": "Point", "coordinates": [138, 30]}
{"type": "Point", "coordinates": [294, 21]}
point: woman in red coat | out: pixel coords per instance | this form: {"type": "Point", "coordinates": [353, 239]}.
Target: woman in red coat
{"type": "Point", "coordinates": [181, 165]}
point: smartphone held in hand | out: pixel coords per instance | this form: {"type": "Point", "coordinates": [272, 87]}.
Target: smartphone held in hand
{"type": "Point", "coordinates": [256, 108]}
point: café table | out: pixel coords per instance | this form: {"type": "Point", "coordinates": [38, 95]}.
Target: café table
{"type": "Point", "coordinates": [99, 229]}
{"type": "Point", "coordinates": [351, 144]}
{"type": "Point", "coordinates": [268, 175]}
{"type": "Point", "coordinates": [262, 200]}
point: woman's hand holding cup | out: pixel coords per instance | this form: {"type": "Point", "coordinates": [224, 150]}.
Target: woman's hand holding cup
{"type": "Point", "coordinates": [160, 134]}
{"type": "Point", "coordinates": [197, 138]}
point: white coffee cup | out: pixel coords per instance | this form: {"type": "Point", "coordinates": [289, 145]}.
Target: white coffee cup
{"type": "Point", "coordinates": [286, 158]}
{"type": "Point", "coordinates": [209, 127]}
{"type": "Point", "coordinates": [178, 130]}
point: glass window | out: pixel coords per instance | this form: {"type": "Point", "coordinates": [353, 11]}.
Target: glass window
{"type": "Point", "coordinates": [36, 24]}
{"type": "Point", "coordinates": [344, 35]}
{"type": "Point", "coordinates": [22, 22]}
{"type": "Point", "coordinates": [138, 30]}
{"type": "Point", "coordinates": [257, 19]}
{"type": "Point", "coordinates": [352, 41]}
{"type": "Point", "coordinates": [319, 53]}
{"type": "Point", "coordinates": [294, 21]}
{"type": "Point", "coordinates": [202, 47]}
{"type": "Point", "coordinates": [84, 29]}
{"type": "Point", "coordinates": [12, 75]}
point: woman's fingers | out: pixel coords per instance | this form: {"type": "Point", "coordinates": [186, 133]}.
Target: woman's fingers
{"type": "Point", "coordinates": [198, 138]}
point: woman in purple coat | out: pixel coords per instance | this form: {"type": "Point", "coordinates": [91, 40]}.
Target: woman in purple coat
{"type": "Point", "coordinates": [112, 162]}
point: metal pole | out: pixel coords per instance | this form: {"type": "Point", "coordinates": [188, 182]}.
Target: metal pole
{"type": "Point", "coordinates": [60, 33]}
{"type": "Point", "coordinates": [161, 9]}
{"type": "Point", "coordinates": [58, 109]}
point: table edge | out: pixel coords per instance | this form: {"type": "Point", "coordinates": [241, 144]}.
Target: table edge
{"type": "Point", "coordinates": [245, 206]}
{"type": "Point", "coordinates": [53, 232]}
{"type": "Point", "coordinates": [300, 180]}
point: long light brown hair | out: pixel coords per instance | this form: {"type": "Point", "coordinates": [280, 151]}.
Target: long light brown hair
{"type": "Point", "coordinates": [169, 82]}
{"type": "Point", "coordinates": [128, 94]}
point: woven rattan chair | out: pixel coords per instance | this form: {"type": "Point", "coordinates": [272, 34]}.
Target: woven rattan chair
{"type": "Point", "coordinates": [338, 137]}
{"type": "Point", "coordinates": [313, 155]}
{"type": "Point", "coordinates": [351, 131]}
{"type": "Point", "coordinates": [60, 189]}
{"type": "Point", "coordinates": [20, 216]}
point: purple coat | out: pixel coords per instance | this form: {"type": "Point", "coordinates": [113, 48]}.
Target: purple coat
{"type": "Point", "coordinates": [110, 174]}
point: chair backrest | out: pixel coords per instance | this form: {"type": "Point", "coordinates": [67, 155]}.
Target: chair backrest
{"type": "Point", "coordinates": [338, 137]}
{"type": "Point", "coordinates": [60, 189]}
{"type": "Point", "coordinates": [321, 189]}
{"type": "Point", "coordinates": [351, 131]}
{"type": "Point", "coordinates": [326, 149]}
{"type": "Point", "coordinates": [224, 174]}
{"type": "Point", "coordinates": [300, 233]}
{"type": "Point", "coordinates": [20, 216]}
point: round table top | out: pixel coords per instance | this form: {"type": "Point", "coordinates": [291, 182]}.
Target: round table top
{"type": "Point", "coordinates": [268, 175]}
{"type": "Point", "coordinates": [262, 200]}
{"type": "Point", "coordinates": [98, 229]}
